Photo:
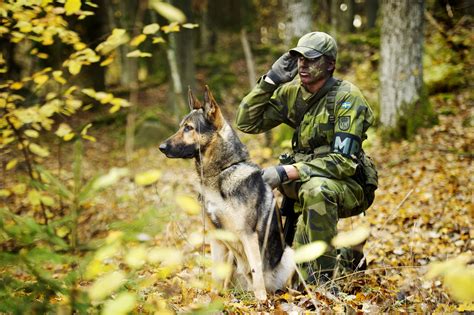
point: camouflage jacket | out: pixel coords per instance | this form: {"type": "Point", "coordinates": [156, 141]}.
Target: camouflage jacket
{"type": "Point", "coordinates": [321, 148]}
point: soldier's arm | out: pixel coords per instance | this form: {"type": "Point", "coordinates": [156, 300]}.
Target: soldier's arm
{"type": "Point", "coordinates": [259, 110]}
{"type": "Point", "coordinates": [353, 118]}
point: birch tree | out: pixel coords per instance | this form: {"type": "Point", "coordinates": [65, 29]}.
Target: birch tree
{"type": "Point", "coordinates": [404, 107]}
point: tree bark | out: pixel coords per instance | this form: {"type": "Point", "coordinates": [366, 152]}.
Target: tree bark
{"type": "Point", "coordinates": [401, 69]}
{"type": "Point", "coordinates": [299, 19]}
{"type": "Point", "coordinates": [372, 7]}
{"type": "Point", "coordinates": [248, 58]}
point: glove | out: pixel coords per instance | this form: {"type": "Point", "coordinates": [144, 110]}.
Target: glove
{"type": "Point", "coordinates": [284, 69]}
{"type": "Point", "coordinates": [274, 175]}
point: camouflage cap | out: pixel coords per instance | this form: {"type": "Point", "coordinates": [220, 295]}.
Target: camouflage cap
{"type": "Point", "coordinates": [315, 44]}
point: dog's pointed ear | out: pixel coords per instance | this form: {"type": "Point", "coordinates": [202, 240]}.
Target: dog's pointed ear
{"type": "Point", "coordinates": [193, 102]}
{"type": "Point", "coordinates": [211, 109]}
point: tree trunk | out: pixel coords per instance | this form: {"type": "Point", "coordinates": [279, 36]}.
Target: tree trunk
{"type": "Point", "coordinates": [347, 16]}
{"type": "Point", "coordinates": [372, 6]}
{"type": "Point", "coordinates": [248, 58]}
{"type": "Point", "coordinates": [299, 19]}
{"type": "Point", "coordinates": [403, 105]}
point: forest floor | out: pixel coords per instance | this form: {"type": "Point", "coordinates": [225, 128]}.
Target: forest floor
{"type": "Point", "coordinates": [423, 213]}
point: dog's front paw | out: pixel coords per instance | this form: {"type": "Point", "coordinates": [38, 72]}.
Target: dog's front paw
{"type": "Point", "coordinates": [261, 295]}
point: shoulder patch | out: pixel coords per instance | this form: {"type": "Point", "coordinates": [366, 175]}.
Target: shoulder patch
{"type": "Point", "coordinates": [344, 123]}
{"type": "Point", "coordinates": [346, 105]}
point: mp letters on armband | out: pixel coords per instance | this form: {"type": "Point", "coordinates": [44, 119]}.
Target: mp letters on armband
{"type": "Point", "coordinates": [346, 143]}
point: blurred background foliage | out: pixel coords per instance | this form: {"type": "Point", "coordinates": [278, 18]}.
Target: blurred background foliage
{"type": "Point", "coordinates": [88, 87]}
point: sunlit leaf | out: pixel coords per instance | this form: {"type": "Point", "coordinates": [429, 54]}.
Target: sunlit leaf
{"type": "Point", "coordinates": [123, 304]}
{"type": "Point", "coordinates": [16, 86]}
{"type": "Point", "coordinates": [172, 27]}
{"type": "Point", "coordinates": [188, 204]}
{"type": "Point", "coordinates": [223, 235]}
{"type": "Point", "coordinates": [41, 79]}
{"type": "Point", "coordinates": [310, 251]}
{"type": "Point", "coordinates": [136, 257]}
{"type": "Point", "coordinates": [351, 238]}
{"type": "Point", "coordinates": [32, 133]}
{"type": "Point", "coordinates": [112, 177]}
{"type": "Point", "coordinates": [72, 6]}
{"type": "Point", "coordinates": [158, 40]}
{"type": "Point", "coordinates": [4, 193]}
{"type": "Point", "coordinates": [57, 75]}
{"type": "Point", "coordinates": [107, 61]}
{"type": "Point", "coordinates": [38, 150]}
{"type": "Point", "coordinates": [137, 40]}
{"type": "Point", "coordinates": [63, 130]}
{"type": "Point", "coordinates": [147, 178]}
{"type": "Point", "coordinates": [106, 285]}
{"type": "Point", "coordinates": [117, 38]}
{"type": "Point", "coordinates": [222, 270]}
{"type": "Point", "coordinates": [74, 67]}
{"type": "Point", "coordinates": [11, 164]}
{"type": "Point", "coordinates": [190, 25]}
{"type": "Point", "coordinates": [151, 28]}
{"type": "Point", "coordinates": [34, 197]}
{"type": "Point", "coordinates": [47, 200]}
{"type": "Point", "coordinates": [137, 54]}
{"type": "Point", "coordinates": [19, 189]}
{"type": "Point", "coordinates": [168, 11]}
{"type": "Point", "coordinates": [167, 256]}
{"type": "Point", "coordinates": [62, 231]}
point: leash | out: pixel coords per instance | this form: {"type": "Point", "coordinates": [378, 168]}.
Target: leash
{"type": "Point", "coordinates": [203, 202]}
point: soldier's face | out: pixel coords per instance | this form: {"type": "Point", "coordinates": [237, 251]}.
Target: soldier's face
{"type": "Point", "coordinates": [312, 70]}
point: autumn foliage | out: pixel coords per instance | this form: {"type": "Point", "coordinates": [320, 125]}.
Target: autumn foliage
{"type": "Point", "coordinates": [82, 231]}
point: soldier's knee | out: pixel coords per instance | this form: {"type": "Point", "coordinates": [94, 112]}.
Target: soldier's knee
{"type": "Point", "coordinates": [315, 194]}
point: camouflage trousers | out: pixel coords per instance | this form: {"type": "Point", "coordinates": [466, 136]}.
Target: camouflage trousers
{"type": "Point", "coordinates": [322, 201]}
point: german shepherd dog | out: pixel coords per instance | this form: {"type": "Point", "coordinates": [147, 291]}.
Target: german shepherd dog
{"type": "Point", "coordinates": [235, 198]}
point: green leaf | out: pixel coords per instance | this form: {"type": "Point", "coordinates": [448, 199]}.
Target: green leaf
{"type": "Point", "coordinates": [309, 251]}
{"type": "Point", "coordinates": [168, 11]}
{"type": "Point", "coordinates": [123, 304]}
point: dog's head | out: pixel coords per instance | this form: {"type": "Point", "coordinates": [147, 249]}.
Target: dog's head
{"type": "Point", "coordinates": [196, 130]}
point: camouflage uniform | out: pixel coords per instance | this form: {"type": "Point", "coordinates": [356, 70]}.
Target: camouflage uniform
{"type": "Point", "coordinates": [323, 154]}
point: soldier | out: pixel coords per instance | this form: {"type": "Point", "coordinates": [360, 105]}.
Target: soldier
{"type": "Point", "coordinates": [330, 118]}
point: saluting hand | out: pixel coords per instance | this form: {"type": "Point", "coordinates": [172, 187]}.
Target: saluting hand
{"type": "Point", "coordinates": [284, 69]}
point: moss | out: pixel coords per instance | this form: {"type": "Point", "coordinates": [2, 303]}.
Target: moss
{"type": "Point", "coordinates": [412, 117]}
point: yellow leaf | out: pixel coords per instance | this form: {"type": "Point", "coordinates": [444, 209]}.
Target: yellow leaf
{"type": "Point", "coordinates": [19, 189]}
{"type": "Point", "coordinates": [110, 178]}
{"type": "Point", "coordinates": [34, 197]}
{"type": "Point", "coordinates": [69, 136]}
{"type": "Point", "coordinates": [107, 61]}
{"type": "Point", "coordinates": [16, 86]}
{"type": "Point", "coordinates": [11, 164]}
{"type": "Point", "coordinates": [138, 53]}
{"type": "Point", "coordinates": [222, 269]}
{"type": "Point", "coordinates": [168, 11]}
{"type": "Point", "coordinates": [57, 75]}
{"type": "Point", "coordinates": [158, 40]}
{"type": "Point", "coordinates": [90, 138]}
{"type": "Point", "coordinates": [309, 251]}
{"type": "Point", "coordinates": [38, 150]}
{"type": "Point", "coordinates": [62, 231]}
{"type": "Point", "coordinates": [117, 38]}
{"type": "Point", "coordinates": [106, 285]}
{"type": "Point", "coordinates": [85, 129]}
{"type": "Point", "coordinates": [167, 256]}
{"type": "Point", "coordinates": [188, 204]}
{"type": "Point", "coordinates": [123, 304]}
{"type": "Point", "coordinates": [173, 27]}
{"type": "Point", "coordinates": [147, 178]}
{"type": "Point", "coordinates": [151, 28]}
{"type": "Point", "coordinates": [4, 193]}
{"type": "Point", "coordinates": [63, 130]}
{"type": "Point", "coordinates": [351, 238]}
{"type": "Point", "coordinates": [72, 6]}
{"type": "Point", "coordinates": [137, 40]}
{"type": "Point", "coordinates": [136, 257]}
{"type": "Point", "coordinates": [74, 67]}
{"type": "Point", "coordinates": [223, 235]}
{"type": "Point", "coordinates": [47, 200]}
{"type": "Point", "coordinates": [190, 25]}
{"type": "Point", "coordinates": [32, 133]}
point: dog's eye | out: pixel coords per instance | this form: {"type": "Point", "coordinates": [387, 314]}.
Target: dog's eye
{"type": "Point", "coordinates": [187, 128]}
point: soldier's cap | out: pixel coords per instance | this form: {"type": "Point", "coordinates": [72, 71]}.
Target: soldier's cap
{"type": "Point", "coordinates": [315, 44]}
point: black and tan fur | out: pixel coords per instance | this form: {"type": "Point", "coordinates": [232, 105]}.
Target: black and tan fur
{"type": "Point", "coordinates": [235, 196]}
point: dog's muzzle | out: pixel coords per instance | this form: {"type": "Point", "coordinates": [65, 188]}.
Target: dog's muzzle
{"type": "Point", "coordinates": [164, 147]}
